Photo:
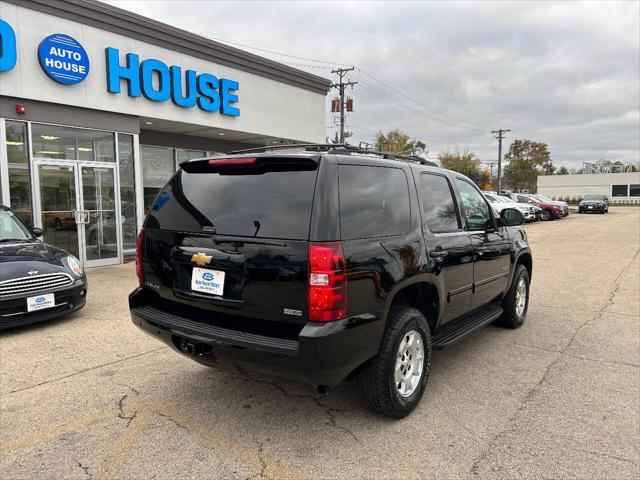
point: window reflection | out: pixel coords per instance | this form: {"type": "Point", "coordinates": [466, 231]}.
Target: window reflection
{"type": "Point", "coordinates": [68, 143]}
{"type": "Point", "coordinates": [127, 191]}
{"type": "Point", "coordinates": [157, 168]}
{"type": "Point", "coordinates": [18, 159]}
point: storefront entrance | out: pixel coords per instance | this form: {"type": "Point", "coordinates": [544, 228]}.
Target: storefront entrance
{"type": "Point", "coordinates": [77, 206]}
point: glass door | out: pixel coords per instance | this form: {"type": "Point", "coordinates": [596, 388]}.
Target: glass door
{"type": "Point", "coordinates": [77, 208]}
{"type": "Point", "coordinates": [57, 211]}
{"type": "Point", "coordinates": [100, 228]}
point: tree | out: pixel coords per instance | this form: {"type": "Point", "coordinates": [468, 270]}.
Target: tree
{"type": "Point", "coordinates": [466, 163]}
{"type": "Point", "coordinates": [396, 141]}
{"type": "Point", "coordinates": [336, 137]}
{"type": "Point", "coordinates": [527, 159]}
{"type": "Point", "coordinates": [562, 171]}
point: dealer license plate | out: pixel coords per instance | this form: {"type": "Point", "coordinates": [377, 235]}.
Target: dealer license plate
{"type": "Point", "coordinates": [207, 281]}
{"type": "Point", "coordinates": [40, 302]}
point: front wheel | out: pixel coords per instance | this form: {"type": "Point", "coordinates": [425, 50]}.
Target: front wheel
{"type": "Point", "coordinates": [546, 215]}
{"type": "Point", "coordinates": [394, 382]}
{"type": "Point", "coordinates": [516, 302]}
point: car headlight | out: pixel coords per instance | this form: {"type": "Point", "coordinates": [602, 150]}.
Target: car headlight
{"type": "Point", "coordinates": [74, 265]}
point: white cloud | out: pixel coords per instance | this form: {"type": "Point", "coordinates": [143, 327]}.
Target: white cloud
{"type": "Point", "coordinates": [565, 73]}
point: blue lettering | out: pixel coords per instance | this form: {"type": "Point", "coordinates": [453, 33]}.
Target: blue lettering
{"type": "Point", "coordinates": [115, 72]}
{"type": "Point", "coordinates": [147, 68]}
{"type": "Point", "coordinates": [209, 99]}
{"type": "Point", "coordinates": [190, 87]}
{"type": "Point", "coordinates": [226, 87]}
{"type": "Point", "coordinates": [8, 53]}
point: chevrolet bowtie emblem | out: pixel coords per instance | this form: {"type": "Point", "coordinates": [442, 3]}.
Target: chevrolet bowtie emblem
{"type": "Point", "coordinates": [201, 259]}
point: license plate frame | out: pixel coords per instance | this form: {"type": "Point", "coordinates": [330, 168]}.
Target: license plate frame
{"type": "Point", "coordinates": [41, 302]}
{"type": "Point", "coordinates": [207, 281]}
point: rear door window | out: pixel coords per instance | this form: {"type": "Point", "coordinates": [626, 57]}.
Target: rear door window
{"type": "Point", "coordinates": [438, 206]}
{"type": "Point", "coordinates": [374, 202]}
{"type": "Point", "coordinates": [269, 204]}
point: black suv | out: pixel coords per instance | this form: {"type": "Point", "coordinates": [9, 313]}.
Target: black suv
{"type": "Point", "coordinates": [327, 263]}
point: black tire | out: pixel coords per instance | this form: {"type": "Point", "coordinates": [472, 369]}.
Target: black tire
{"type": "Point", "coordinates": [377, 384]}
{"type": "Point", "coordinates": [510, 318]}
{"type": "Point", "coordinates": [546, 215]}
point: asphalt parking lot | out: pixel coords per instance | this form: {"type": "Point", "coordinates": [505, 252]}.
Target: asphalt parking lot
{"type": "Point", "coordinates": [92, 397]}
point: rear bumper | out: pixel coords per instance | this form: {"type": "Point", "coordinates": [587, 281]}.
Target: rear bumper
{"type": "Point", "coordinates": [13, 310]}
{"type": "Point", "coordinates": [323, 354]}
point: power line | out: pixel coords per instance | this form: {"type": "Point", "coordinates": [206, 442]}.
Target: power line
{"type": "Point", "coordinates": [419, 112]}
{"type": "Point", "coordinates": [500, 136]}
{"type": "Point", "coordinates": [341, 85]}
{"type": "Point", "coordinates": [422, 103]}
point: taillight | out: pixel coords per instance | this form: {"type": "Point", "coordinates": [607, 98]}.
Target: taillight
{"type": "Point", "coordinates": [230, 162]}
{"type": "Point", "coordinates": [327, 282]}
{"type": "Point", "coordinates": [139, 248]}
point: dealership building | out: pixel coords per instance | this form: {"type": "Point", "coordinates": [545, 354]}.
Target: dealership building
{"type": "Point", "coordinates": [617, 186]}
{"type": "Point", "coordinates": [99, 106]}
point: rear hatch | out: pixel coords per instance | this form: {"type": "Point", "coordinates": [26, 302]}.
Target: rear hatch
{"type": "Point", "coordinates": [226, 242]}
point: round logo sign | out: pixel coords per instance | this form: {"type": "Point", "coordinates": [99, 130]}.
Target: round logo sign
{"type": "Point", "coordinates": [63, 59]}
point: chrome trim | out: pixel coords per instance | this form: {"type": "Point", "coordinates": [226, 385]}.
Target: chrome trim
{"type": "Point", "coordinates": [491, 279]}
{"type": "Point", "coordinates": [34, 284]}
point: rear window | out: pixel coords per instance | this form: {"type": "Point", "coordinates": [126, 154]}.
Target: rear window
{"type": "Point", "coordinates": [374, 202]}
{"type": "Point", "coordinates": [271, 204]}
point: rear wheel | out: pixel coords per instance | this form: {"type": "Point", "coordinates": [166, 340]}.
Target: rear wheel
{"type": "Point", "coordinates": [393, 384]}
{"type": "Point", "coordinates": [516, 302]}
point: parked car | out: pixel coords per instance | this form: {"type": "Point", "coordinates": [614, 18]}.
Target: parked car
{"type": "Point", "coordinates": [325, 264]}
{"type": "Point", "coordinates": [594, 203]}
{"type": "Point", "coordinates": [564, 205]}
{"type": "Point", "coordinates": [38, 281]}
{"type": "Point", "coordinates": [499, 203]}
{"type": "Point", "coordinates": [550, 211]}
{"type": "Point", "coordinates": [524, 202]}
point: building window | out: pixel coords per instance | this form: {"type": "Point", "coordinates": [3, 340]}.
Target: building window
{"type": "Point", "coordinates": [634, 190]}
{"type": "Point", "coordinates": [127, 191]}
{"type": "Point", "coordinates": [68, 143]}
{"type": "Point", "coordinates": [18, 159]}
{"type": "Point", "coordinates": [157, 168]}
{"type": "Point", "coordinates": [619, 190]}
{"type": "Point", "coordinates": [183, 155]}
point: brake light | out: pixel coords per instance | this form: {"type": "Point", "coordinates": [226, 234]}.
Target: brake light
{"type": "Point", "coordinates": [228, 162]}
{"type": "Point", "coordinates": [139, 248]}
{"type": "Point", "coordinates": [327, 282]}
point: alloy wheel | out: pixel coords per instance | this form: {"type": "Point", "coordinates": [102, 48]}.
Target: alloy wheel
{"type": "Point", "coordinates": [409, 363]}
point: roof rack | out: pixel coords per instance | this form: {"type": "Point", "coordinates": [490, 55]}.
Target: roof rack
{"type": "Point", "coordinates": [343, 148]}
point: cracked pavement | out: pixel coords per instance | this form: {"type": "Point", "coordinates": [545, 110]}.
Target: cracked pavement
{"type": "Point", "coordinates": [90, 396]}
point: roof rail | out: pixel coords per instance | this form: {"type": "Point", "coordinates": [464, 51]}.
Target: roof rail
{"type": "Point", "coordinates": [343, 148]}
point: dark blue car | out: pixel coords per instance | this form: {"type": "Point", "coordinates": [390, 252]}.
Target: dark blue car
{"type": "Point", "coordinates": [38, 281]}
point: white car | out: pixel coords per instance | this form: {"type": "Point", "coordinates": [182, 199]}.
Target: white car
{"type": "Point", "coordinates": [499, 203]}
{"type": "Point", "coordinates": [535, 210]}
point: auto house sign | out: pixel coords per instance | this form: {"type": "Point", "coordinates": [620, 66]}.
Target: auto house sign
{"type": "Point", "coordinates": [63, 59]}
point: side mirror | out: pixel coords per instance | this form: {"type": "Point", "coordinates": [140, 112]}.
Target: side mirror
{"type": "Point", "coordinates": [510, 217]}
{"type": "Point", "coordinates": [37, 231]}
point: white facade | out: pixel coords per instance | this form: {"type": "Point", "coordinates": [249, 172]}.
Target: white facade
{"type": "Point", "coordinates": [613, 185]}
{"type": "Point", "coordinates": [268, 107]}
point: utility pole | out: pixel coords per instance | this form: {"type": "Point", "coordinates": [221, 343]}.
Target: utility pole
{"type": "Point", "coordinates": [341, 86]}
{"type": "Point", "coordinates": [491, 173]}
{"type": "Point", "coordinates": [500, 135]}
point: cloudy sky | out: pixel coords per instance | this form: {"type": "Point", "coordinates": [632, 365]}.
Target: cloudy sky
{"type": "Point", "coordinates": [564, 73]}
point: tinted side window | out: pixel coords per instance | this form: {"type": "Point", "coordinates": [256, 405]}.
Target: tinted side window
{"type": "Point", "coordinates": [374, 202]}
{"type": "Point", "coordinates": [437, 204]}
{"type": "Point", "coordinates": [475, 207]}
